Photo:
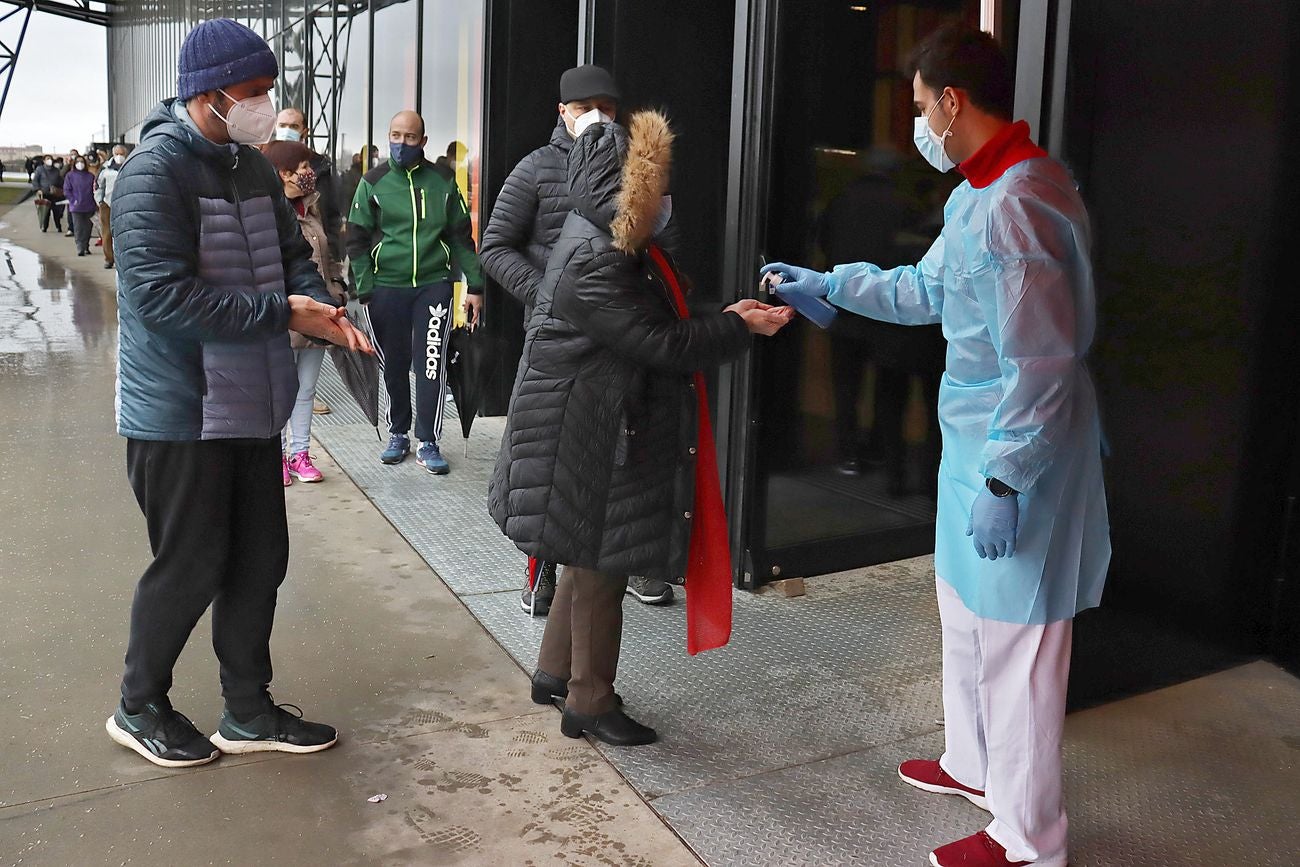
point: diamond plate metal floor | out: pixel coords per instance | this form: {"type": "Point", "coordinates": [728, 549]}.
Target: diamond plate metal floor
{"type": "Point", "coordinates": [781, 748]}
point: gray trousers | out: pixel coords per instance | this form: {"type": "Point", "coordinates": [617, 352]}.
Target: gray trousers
{"type": "Point", "coordinates": [81, 224]}
{"type": "Point", "coordinates": [584, 632]}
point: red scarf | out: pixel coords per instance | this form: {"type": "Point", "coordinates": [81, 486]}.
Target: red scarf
{"type": "Point", "coordinates": [1010, 146]}
{"type": "Point", "coordinates": [708, 566]}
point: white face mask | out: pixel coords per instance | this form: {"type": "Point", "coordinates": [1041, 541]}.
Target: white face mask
{"type": "Point", "coordinates": [118, 159]}
{"type": "Point", "coordinates": [930, 143]}
{"type": "Point", "coordinates": [665, 214]}
{"type": "Point", "coordinates": [287, 133]}
{"type": "Point", "coordinates": [249, 121]}
{"type": "Point", "coordinates": [49, 162]}
{"type": "Point", "coordinates": [81, 167]}
{"type": "Point", "coordinates": [580, 124]}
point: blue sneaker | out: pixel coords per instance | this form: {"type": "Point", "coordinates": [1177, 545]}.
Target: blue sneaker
{"type": "Point", "coordinates": [399, 445]}
{"type": "Point", "coordinates": [432, 460]}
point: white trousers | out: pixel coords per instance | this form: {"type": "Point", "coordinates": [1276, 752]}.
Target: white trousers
{"type": "Point", "coordinates": [1004, 713]}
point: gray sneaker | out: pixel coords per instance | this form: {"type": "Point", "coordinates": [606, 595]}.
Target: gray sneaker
{"type": "Point", "coordinates": [650, 591]}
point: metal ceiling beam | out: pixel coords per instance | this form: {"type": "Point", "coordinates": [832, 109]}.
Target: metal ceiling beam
{"type": "Point", "coordinates": [9, 53]}
{"type": "Point", "coordinates": [89, 11]}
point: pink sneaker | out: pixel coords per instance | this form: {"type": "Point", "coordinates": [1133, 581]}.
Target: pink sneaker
{"type": "Point", "coordinates": [302, 469]}
{"type": "Point", "coordinates": [284, 465]}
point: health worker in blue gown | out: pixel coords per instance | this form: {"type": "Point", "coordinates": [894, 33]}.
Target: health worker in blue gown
{"type": "Point", "coordinates": [1022, 537]}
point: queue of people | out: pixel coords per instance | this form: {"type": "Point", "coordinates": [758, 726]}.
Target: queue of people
{"type": "Point", "coordinates": [80, 188]}
{"type": "Point", "coordinates": [607, 468]}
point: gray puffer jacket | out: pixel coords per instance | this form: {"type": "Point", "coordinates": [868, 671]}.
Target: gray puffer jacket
{"type": "Point", "coordinates": [208, 251]}
{"type": "Point", "coordinates": [597, 466]}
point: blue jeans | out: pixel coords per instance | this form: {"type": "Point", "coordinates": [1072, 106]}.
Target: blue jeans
{"type": "Point", "coordinates": [298, 434]}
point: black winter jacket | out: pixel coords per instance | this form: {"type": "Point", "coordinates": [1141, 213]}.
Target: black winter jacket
{"type": "Point", "coordinates": [597, 465]}
{"type": "Point", "coordinates": [527, 218]}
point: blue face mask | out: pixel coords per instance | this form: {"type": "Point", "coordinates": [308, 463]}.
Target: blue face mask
{"type": "Point", "coordinates": [405, 155]}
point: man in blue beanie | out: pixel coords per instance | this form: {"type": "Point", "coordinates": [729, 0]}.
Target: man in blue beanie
{"type": "Point", "coordinates": [213, 272]}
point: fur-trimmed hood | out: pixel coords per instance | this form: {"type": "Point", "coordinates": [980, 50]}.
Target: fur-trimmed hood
{"type": "Point", "coordinates": [619, 176]}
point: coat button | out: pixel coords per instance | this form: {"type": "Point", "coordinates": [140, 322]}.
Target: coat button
{"type": "Point", "coordinates": [686, 515]}
{"type": "Point", "coordinates": [691, 450]}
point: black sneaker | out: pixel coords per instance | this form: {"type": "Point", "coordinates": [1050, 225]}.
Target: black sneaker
{"type": "Point", "coordinates": [650, 591]}
{"type": "Point", "coordinates": [277, 730]}
{"type": "Point", "coordinates": [162, 735]}
{"type": "Point", "coordinates": [538, 602]}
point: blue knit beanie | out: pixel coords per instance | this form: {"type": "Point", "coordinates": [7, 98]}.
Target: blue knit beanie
{"type": "Point", "coordinates": [219, 53]}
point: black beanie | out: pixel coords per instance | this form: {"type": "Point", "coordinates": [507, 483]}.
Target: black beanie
{"type": "Point", "coordinates": [585, 82]}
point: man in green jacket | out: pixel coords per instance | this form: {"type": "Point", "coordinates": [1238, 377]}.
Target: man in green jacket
{"type": "Point", "coordinates": [409, 236]}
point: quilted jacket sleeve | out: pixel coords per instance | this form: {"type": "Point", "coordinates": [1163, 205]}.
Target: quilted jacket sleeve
{"type": "Point", "coordinates": [508, 232]}
{"type": "Point", "coordinates": [156, 241]}
{"type": "Point", "coordinates": [601, 296]}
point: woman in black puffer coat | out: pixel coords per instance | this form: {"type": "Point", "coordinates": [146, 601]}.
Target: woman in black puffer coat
{"type": "Point", "coordinates": [597, 466]}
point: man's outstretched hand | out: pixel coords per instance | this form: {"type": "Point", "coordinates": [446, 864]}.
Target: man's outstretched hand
{"type": "Point", "coordinates": [325, 322]}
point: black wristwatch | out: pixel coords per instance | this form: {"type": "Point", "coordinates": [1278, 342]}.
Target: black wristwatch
{"type": "Point", "coordinates": [1000, 489]}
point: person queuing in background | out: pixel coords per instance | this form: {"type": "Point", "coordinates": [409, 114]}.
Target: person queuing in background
{"type": "Point", "coordinates": [597, 468]}
{"type": "Point", "coordinates": [48, 181]}
{"type": "Point", "coordinates": [213, 273]}
{"type": "Point", "coordinates": [65, 166]}
{"type": "Point", "coordinates": [409, 235]}
{"type": "Point", "coordinates": [1022, 535]}
{"type": "Point", "coordinates": [526, 221]}
{"type": "Point", "coordinates": [293, 163]}
{"type": "Point", "coordinates": [104, 198]}
{"type": "Point", "coordinates": [291, 125]}
{"type": "Point", "coordinates": [79, 189]}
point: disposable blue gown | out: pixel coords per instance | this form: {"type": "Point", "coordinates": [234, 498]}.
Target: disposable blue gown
{"type": "Point", "coordinates": [1011, 282]}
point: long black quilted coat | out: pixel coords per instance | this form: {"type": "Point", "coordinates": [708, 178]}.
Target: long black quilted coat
{"type": "Point", "coordinates": [597, 465]}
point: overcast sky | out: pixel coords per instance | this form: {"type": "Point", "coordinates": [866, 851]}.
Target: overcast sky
{"type": "Point", "coordinates": [58, 98]}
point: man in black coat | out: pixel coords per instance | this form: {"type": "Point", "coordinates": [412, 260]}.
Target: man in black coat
{"type": "Point", "coordinates": [525, 224]}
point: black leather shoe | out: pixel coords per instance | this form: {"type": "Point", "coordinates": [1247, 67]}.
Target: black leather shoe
{"type": "Point", "coordinates": [547, 688]}
{"type": "Point", "coordinates": [614, 727]}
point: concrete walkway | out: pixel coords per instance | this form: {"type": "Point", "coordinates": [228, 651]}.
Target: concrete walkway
{"type": "Point", "coordinates": [431, 711]}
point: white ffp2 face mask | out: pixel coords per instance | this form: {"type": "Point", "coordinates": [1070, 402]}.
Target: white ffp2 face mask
{"type": "Point", "coordinates": [665, 214]}
{"type": "Point", "coordinates": [249, 121]}
{"type": "Point", "coordinates": [930, 143]}
{"type": "Point", "coordinates": [581, 123]}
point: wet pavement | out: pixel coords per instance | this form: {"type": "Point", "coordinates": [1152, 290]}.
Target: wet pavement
{"type": "Point", "coordinates": [431, 711]}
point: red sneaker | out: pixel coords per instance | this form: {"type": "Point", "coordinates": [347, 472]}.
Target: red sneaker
{"type": "Point", "coordinates": [926, 775]}
{"type": "Point", "coordinates": [977, 850]}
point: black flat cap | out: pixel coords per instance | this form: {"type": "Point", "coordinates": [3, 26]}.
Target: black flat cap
{"type": "Point", "coordinates": [585, 82]}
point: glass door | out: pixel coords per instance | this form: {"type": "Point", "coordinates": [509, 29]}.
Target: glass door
{"type": "Point", "coordinates": [844, 442]}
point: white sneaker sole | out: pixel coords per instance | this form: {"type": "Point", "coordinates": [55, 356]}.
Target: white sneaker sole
{"type": "Point", "coordinates": [978, 800]}
{"type": "Point", "coordinates": [235, 748]}
{"type": "Point", "coordinates": [305, 480]}
{"type": "Point", "coordinates": [661, 599]}
{"type": "Point", "coordinates": [125, 739]}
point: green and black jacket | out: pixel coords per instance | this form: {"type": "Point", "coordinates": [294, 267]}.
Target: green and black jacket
{"type": "Point", "coordinates": [410, 228]}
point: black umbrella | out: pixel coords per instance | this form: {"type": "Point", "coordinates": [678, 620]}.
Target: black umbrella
{"type": "Point", "coordinates": [473, 355]}
{"type": "Point", "coordinates": [359, 371]}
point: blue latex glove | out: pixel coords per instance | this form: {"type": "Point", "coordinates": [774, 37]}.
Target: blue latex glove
{"type": "Point", "coordinates": [801, 281]}
{"type": "Point", "coordinates": [993, 522]}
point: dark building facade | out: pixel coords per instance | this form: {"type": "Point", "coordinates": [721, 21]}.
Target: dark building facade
{"type": "Point", "coordinates": [794, 120]}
